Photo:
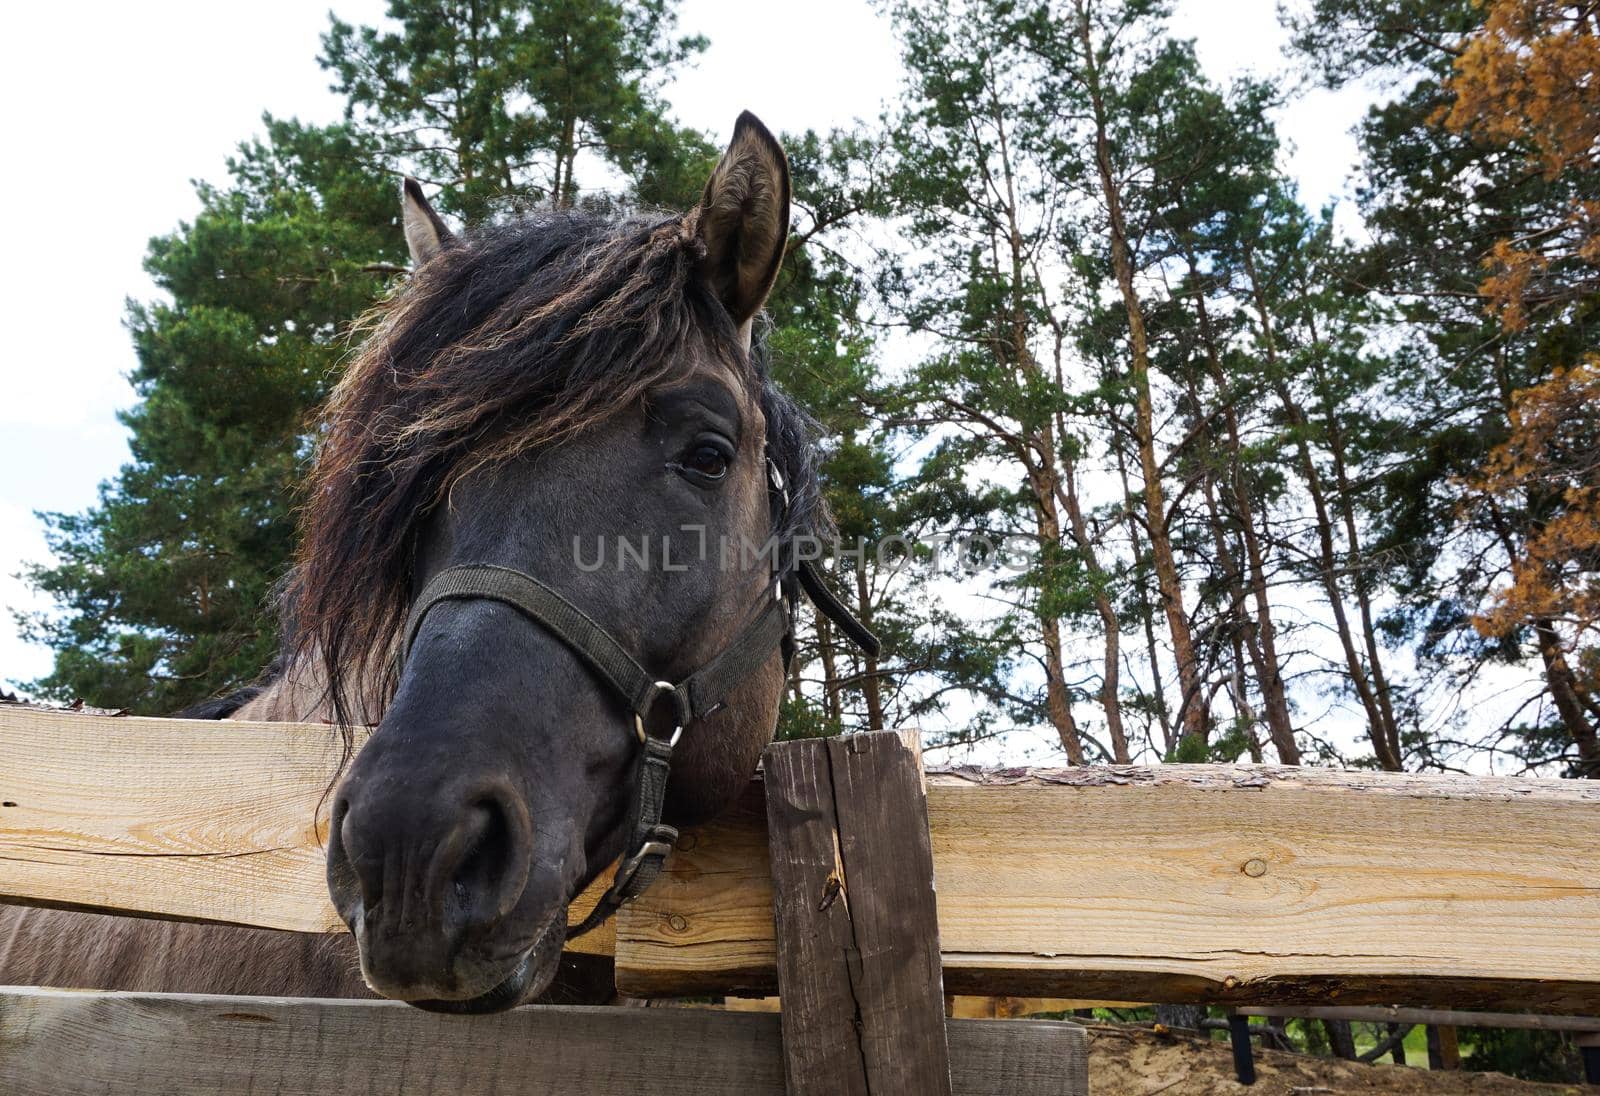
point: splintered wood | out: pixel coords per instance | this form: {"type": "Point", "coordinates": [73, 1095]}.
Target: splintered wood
{"type": "Point", "coordinates": [857, 926]}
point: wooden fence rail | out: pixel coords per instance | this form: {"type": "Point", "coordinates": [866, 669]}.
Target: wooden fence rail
{"type": "Point", "coordinates": [215, 821]}
{"type": "Point", "coordinates": [1225, 884]}
{"type": "Point", "coordinates": [1239, 885]}
{"type": "Point", "coordinates": [58, 1043]}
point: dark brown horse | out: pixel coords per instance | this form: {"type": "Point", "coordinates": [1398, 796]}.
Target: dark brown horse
{"type": "Point", "coordinates": [537, 392]}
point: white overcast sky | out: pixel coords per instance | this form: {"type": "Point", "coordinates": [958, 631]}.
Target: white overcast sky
{"type": "Point", "coordinates": [103, 143]}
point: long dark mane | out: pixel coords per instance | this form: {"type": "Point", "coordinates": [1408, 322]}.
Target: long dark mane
{"type": "Point", "coordinates": [521, 338]}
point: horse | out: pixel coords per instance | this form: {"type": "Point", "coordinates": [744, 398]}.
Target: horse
{"type": "Point", "coordinates": [535, 390]}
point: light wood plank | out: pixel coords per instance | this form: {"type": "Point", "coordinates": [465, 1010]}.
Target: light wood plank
{"type": "Point", "coordinates": [970, 1007]}
{"type": "Point", "coordinates": [54, 1043]}
{"type": "Point", "coordinates": [1230, 884]}
{"type": "Point", "coordinates": [1103, 883]}
{"type": "Point", "coordinates": [193, 820]}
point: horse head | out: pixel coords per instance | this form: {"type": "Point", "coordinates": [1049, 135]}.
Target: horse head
{"type": "Point", "coordinates": [549, 531]}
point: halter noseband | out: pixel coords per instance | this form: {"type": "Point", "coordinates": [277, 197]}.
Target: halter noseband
{"type": "Point", "coordinates": [694, 697]}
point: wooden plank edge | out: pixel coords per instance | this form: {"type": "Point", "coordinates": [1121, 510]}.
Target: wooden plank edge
{"type": "Point", "coordinates": [990, 975]}
{"type": "Point", "coordinates": [1436, 1017]}
{"type": "Point", "coordinates": [1250, 777]}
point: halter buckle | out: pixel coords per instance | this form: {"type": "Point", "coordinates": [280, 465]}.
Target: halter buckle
{"type": "Point", "coordinates": [657, 690]}
{"type": "Point", "coordinates": [629, 868]}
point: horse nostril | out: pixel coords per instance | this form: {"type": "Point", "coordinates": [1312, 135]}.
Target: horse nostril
{"type": "Point", "coordinates": [453, 863]}
{"type": "Point", "coordinates": [487, 862]}
{"type": "Point", "coordinates": [488, 854]}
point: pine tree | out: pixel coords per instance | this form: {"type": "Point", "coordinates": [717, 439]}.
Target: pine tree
{"type": "Point", "coordinates": [824, 351]}
{"type": "Point", "coordinates": [494, 100]}
{"type": "Point", "coordinates": [1553, 454]}
{"type": "Point", "coordinates": [163, 587]}
{"type": "Point", "coordinates": [1528, 82]}
{"type": "Point", "coordinates": [1445, 198]}
{"type": "Point", "coordinates": [975, 191]}
{"type": "Point", "coordinates": [1312, 331]}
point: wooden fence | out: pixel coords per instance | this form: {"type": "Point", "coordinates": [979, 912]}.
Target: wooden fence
{"type": "Point", "coordinates": [1242, 885]}
{"type": "Point", "coordinates": [64, 1044]}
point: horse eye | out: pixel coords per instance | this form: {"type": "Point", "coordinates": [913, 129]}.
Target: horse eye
{"type": "Point", "coordinates": [707, 462]}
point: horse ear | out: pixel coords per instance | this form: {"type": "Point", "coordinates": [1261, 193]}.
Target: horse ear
{"type": "Point", "coordinates": [426, 232]}
{"type": "Point", "coordinates": [744, 220]}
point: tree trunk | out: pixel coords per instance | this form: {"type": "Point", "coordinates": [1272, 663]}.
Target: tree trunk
{"type": "Point", "coordinates": [871, 688]}
{"type": "Point", "coordinates": [1192, 708]}
{"type": "Point", "coordinates": [1397, 1051]}
{"type": "Point", "coordinates": [1241, 700]}
{"type": "Point", "coordinates": [1341, 1039]}
{"type": "Point", "coordinates": [1184, 1017]}
{"type": "Point", "coordinates": [1013, 346]}
{"type": "Point", "coordinates": [1328, 570]}
{"type": "Point", "coordinates": [1262, 638]}
{"type": "Point", "coordinates": [1344, 493]}
{"type": "Point", "coordinates": [1380, 721]}
{"type": "Point", "coordinates": [1110, 698]}
{"type": "Point", "coordinates": [567, 153]}
{"type": "Point", "coordinates": [1146, 616]}
{"type": "Point", "coordinates": [1569, 705]}
{"type": "Point", "coordinates": [1058, 701]}
{"type": "Point", "coordinates": [830, 673]}
{"type": "Point", "coordinates": [1278, 727]}
{"type": "Point", "coordinates": [1245, 627]}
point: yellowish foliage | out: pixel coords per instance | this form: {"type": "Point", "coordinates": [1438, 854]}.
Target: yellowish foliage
{"type": "Point", "coordinates": [1551, 465]}
{"type": "Point", "coordinates": [1506, 288]}
{"type": "Point", "coordinates": [1530, 76]}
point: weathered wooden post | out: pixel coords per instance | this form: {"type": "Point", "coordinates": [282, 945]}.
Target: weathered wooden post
{"type": "Point", "coordinates": [1444, 1052]}
{"type": "Point", "coordinates": [859, 972]}
{"type": "Point", "coordinates": [857, 932]}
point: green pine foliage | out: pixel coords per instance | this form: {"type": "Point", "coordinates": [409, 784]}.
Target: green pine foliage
{"type": "Point", "coordinates": [495, 99]}
{"type": "Point", "coordinates": [1061, 299]}
{"type": "Point", "coordinates": [163, 587]}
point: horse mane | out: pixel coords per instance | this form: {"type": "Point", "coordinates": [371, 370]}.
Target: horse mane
{"type": "Point", "coordinates": [522, 337]}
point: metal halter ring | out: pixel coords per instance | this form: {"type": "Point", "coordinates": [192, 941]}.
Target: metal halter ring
{"type": "Point", "coordinates": [657, 689]}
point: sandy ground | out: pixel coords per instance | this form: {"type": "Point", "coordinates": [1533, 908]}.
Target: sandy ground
{"type": "Point", "coordinates": [1137, 1062]}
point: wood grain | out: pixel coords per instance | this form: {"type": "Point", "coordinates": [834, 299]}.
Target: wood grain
{"type": "Point", "coordinates": [813, 930]}
{"type": "Point", "coordinates": [1103, 883]}
{"type": "Point", "coordinates": [185, 819]}
{"type": "Point", "coordinates": [1229, 884]}
{"type": "Point", "coordinates": [856, 922]}
{"type": "Point", "coordinates": [55, 1043]}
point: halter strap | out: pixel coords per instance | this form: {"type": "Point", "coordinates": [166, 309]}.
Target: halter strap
{"type": "Point", "coordinates": [649, 840]}
{"type": "Point", "coordinates": [697, 695]}
{"type": "Point", "coordinates": [706, 690]}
